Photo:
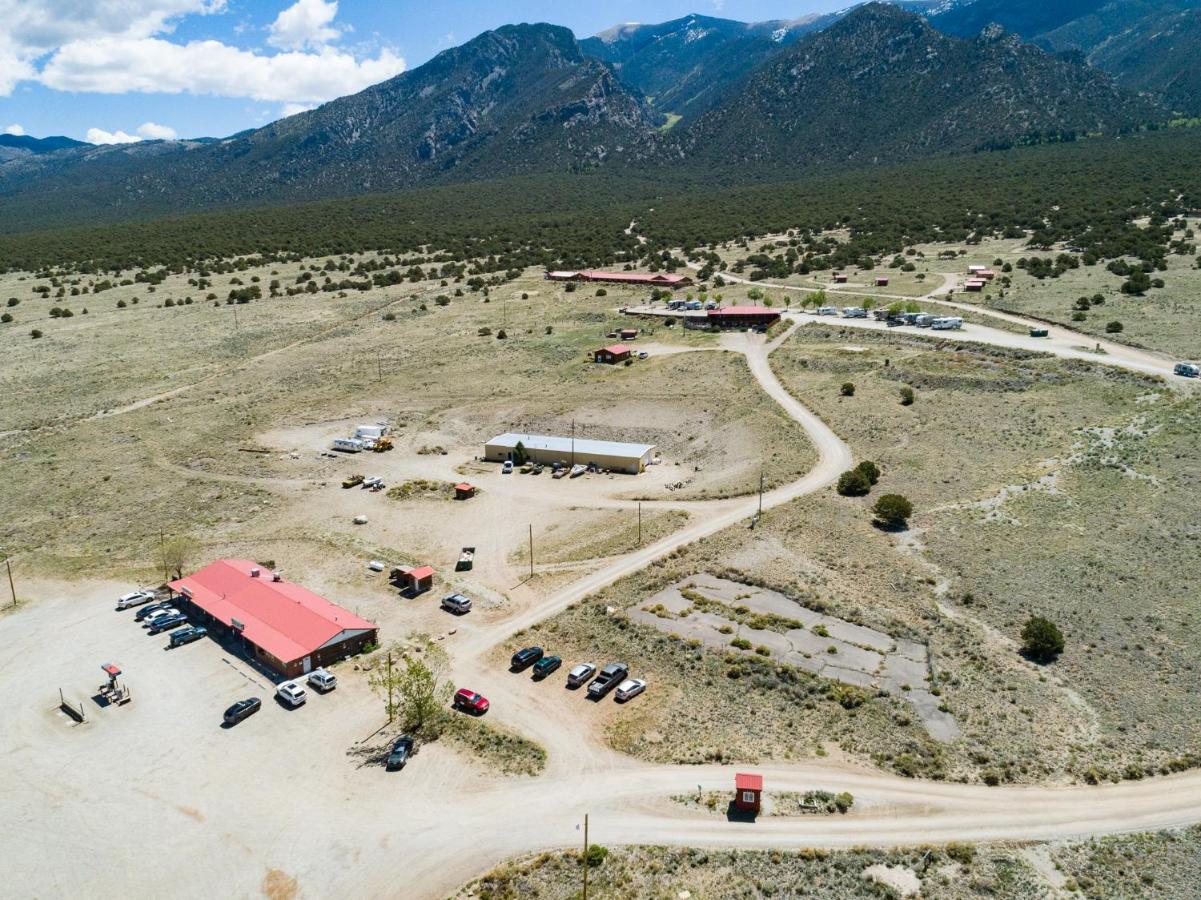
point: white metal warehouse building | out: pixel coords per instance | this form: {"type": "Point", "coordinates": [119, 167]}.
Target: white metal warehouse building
{"type": "Point", "coordinates": [613, 455]}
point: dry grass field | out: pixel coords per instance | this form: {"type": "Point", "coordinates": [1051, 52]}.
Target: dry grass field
{"type": "Point", "coordinates": [1021, 497]}
{"type": "Point", "coordinates": [1148, 865]}
{"type": "Point", "coordinates": [129, 422]}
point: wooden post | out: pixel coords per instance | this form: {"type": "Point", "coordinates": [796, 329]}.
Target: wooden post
{"type": "Point", "coordinates": [585, 856]}
{"type": "Point", "coordinates": [531, 550]}
{"type": "Point", "coordinates": [639, 523]}
{"type": "Point", "coordinates": [8, 565]}
{"type": "Point", "coordinates": [760, 492]}
{"type": "Point", "coordinates": [162, 552]}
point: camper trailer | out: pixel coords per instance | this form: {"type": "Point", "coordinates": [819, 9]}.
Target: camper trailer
{"type": "Point", "coordinates": [854, 312]}
{"type": "Point", "coordinates": [1188, 370]}
{"type": "Point", "coordinates": [947, 323]}
{"type": "Point", "coordinates": [827, 311]}
{"type": "Point", "coordinates": [348, 445]}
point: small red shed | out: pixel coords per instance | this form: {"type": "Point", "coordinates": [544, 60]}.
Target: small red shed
{"type": "Point", "coordinates": [628, 334]}
{"type": "Point", "coordinates": [612, 354]}
{"type": "Point", "coordinates": [414, 581]}
{"type": "Point", "coordinates": [882, 281]}
{"type": "Point", "coordinates": [748, 791]}
{"type": "Point", "coordinates": [464, 491]}
{"type": "Point", "coordinates": [839, 278]}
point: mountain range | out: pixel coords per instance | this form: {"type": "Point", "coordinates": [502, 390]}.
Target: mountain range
{"type": "Point", "coordinates": [696, 97]}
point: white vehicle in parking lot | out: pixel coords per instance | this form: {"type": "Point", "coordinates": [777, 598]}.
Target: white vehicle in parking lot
{"type": "Point", "coordinates": [164, 614]}
{"type": "Point", "coordinates": [827, 311]}
{"type": "Point", "coordinates": [292, 693]}
{"type": "Point", "coordinates": [137, 598]}
{"type": "Point", "coordinates": [629, 689]}
{"type": "Point", "coordinates": [323, 680]}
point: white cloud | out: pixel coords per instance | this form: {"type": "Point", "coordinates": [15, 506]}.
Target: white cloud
{"type": "Point", "coordinates": [152, 131]}
{"type": "Point", "coordinates": [152, 65]}
{"type": "Point", "coordinates": [14, 128]}
{"type": "Point", "coordinates": [120, 46]}
{"type": "Point", "coordinates": [100, 136]}
{"type": "Point", "coordinates": [292, 109]}
{"type": "Point", "coordinates": [304, 24]}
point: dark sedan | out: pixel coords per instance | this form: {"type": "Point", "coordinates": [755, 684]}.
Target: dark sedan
{"type": "Point", "coordinates": [242, 709]}
{"type": "Point", "coordinates": [158, 626]}
{"type": "Point", "coordinates": [401, 750]}
{"type": "Point", "coordinates": [545, 666]}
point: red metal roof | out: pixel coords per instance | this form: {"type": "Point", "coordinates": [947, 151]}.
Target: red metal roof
{"type": "Point", "coordinates": [746, 781]}
{"type": "Point", "coordinates": [616, 349]}
{"type": "Point", "coordinates": [640, 277]}
{"type": "Point", "coordinates": [421, 572]}
{"type": "Point", "coordinates": [110, 669]}
{"type": "Point", "coordinates": [744, 311]}
{"type": "Point", "coordinates": [284, 619]}
{"type": "Point", "coordinates": [464, 486]}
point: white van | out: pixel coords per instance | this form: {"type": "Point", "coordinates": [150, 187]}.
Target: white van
{"type": "Point", "coordinates": [292, 693]}
{"type": "Point", "coordinates": [348, 445]}
{"type": "Point", "coordinates": [827, 311]}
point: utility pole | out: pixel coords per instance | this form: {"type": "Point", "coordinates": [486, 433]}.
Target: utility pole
{"type": "Point", "coordinates": [379, 367]}
{"type": "Point", "coordinates": [573, 442]}
{"type": "Point", "coordinates": [585, 856]}
{"type": "Point", "coordinates": [760, 492]}
{"type": "Point", "coordinates": [8, 565]}
{"type": "Point", "coordinates": [162, 552]}
{"type": "Point", "coordinates": [390, 701]}
{"type": "Point", "coordinates": [639, 523]}
{"type": "Point", "coordinates": [531, 550]}
{"type": "Point", "coordinates": [236, 326]}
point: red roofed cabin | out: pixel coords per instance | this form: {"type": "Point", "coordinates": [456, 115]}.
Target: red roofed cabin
{"type": "Point", "coordinates": [748, 791]}
{"type": "Point", "coordinates": [882, 281]}
{"type": "Point", "coordinates": [612, 355]}
{"type": "Point", "coordinates": [839, 278]}
{"type": "Point", "coordinates": [652, 279]}
{"type": "Point", "coordinates": [464, 491]}
{"type": "Point", "coordinates": [286, 627]}
{"type": "Point", "coordinates": [761, 317]}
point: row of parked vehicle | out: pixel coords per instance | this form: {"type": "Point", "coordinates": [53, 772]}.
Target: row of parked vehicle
{"type": "Point", "coordinates": [290, 693]}
{"type": "Point", "coordinates": [613, 676]}
{"type": "Point", "coordinates": [161, 617]}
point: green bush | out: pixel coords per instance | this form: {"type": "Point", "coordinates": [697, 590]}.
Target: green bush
{"type": "Point", "coordinates": [741, 643]}
{"type": "Point", "coordinates": [847, 389]}
{"type": "Point", "coordinates": [1113, 327]}
{"type": "Point", "coordinates": [1042, 641]}
{"type": "Point", "coordinates": [854, 483]}
{"type": "Point", "coordinates": [596, 855]}
{"type": "Point", "coordinates": [35, 334]}
{"type": "Point", "coordinates": [869, 469]}
{"type": "Point", "coordinates": [907, 396]}
{"type": "Point", "coordinates": [893, 510]}
{"type": "Point", "coordinates": [6, 318]}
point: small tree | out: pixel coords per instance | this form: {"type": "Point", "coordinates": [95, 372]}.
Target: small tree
{"type": "Point", "coordinates": [893, 510]}
{"type": "Point", "coordinates": [870, 470]}
{"type": "Point", "coordinates": [847, 389]}
{"type": "Point", "coordinates": [177, 553]}
{"type": "Point", "coordinates": [854, 483]}
{"type": "Point", "coordinates": [1113, 327]}
{"type": "Point", "coordinates": [519, 455]}
{"type": "Point", "coordinates": [907, 396]}
{"type": "Point", "coordinates": [1042, 641]}
{"type": "Point", "coordinates": [412, 683]}
{"type": "Point", "coordinates": [35, 333]}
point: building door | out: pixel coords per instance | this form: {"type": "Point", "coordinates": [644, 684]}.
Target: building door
{"type": "Point", "coordinates": [308, 665]}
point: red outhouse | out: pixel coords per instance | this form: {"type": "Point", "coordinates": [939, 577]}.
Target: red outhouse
{"type": "Point", "coordinates": [748, 791]}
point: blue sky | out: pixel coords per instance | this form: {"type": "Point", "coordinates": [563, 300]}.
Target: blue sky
{"type": "Point", "coordinates": [115, 70]}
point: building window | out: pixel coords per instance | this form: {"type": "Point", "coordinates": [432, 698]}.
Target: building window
{"type": "Point", "coordinates": [748, 796]}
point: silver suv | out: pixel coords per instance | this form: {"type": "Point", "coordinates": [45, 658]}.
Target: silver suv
{"type": "Point", "coordinates": [457, 604]}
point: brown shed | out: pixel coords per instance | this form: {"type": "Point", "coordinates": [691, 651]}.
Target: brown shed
{"type": "Point", "coordinates": [839, 278]}
{"type": "Point", "coordinates": [414, 581]}
{"type": "Point", "coordinates": [612, 354]}
{"type": "Point", "coordinates": [464, 491]}
{"type": "Point", "coordinates": [882, 281]}
{"type": "Point", "coordinates": [748, 791]}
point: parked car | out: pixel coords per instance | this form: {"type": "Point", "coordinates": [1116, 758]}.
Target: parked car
{"type": "Point", "coordinates": [402, 749]}
{"type": "Point", "coordinates": [137, 598]}
{"type": "Point", "coordinates": [546, 665]}
{"type": "Point", "coordinates": [242, 709]}
{"type": "Point", "coordinates": [580, 675]}
{"type": "Point", "coordinates": [507, 468]}
{"type": "Point", "coordinates": [147, 611]}
{"type": "Point", "coordinates": [629, 689]}
{"type": "Point", "coordinates": [469, 701]}
{"type": "Point", "coordinates": [187, 635]}
{"type": "Point", "coordinates": [525, 658]}
{"type": "Point", "coordinates": [165, 623]}
{"type": "Point", "coordinates": [160, 614]}
{"type": "Point", "coordinates": [610, 676]}
{"type": "Point", "coordinates": [1187, 370]}
{"type": "Point", "coordinates": [323, 680]}
{"type": "Point", "coordinates": [292, 693]}
{"type": "Point", "coordinates": [457, 604]}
